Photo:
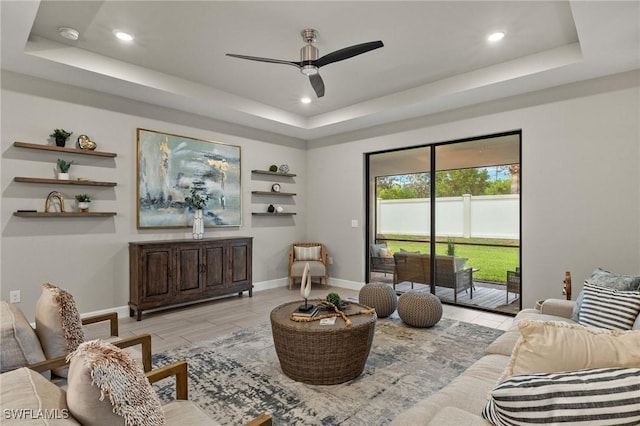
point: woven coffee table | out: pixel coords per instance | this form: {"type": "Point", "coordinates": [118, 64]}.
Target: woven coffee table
{"type": "Point", "coordinates": [322, 354]}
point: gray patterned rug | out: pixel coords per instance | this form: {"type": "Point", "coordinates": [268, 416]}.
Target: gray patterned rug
{"type": "Point", "coordinates": [236, 377]}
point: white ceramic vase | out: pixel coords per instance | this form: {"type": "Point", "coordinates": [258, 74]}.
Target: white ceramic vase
{"type": "Point", "coordinates": [198, 225]}
{"type": "Point", "coordinates": [83, 206]}
{"type": "Point", "coordinates": [63, 176]}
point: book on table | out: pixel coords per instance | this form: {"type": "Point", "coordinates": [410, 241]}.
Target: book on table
{"type": "Point", "coordinates": [306, 314]}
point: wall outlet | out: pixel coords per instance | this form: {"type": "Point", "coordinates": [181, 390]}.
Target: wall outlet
{"type": "Point", "coordinates": [14, 296]}
{"type": "Point", "coordinates": [354, 223]}
{"type": "Point", "coordinates": [330, 260]}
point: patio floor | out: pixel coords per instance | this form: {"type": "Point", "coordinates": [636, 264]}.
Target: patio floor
{"type": "Point", "coordinates": [486, 295]}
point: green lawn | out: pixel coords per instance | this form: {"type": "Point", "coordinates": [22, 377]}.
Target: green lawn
{"type": "Point", "coordinates": [492, 261]}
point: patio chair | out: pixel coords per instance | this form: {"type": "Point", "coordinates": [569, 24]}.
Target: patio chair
{"type": "Point", "coordinates": [381, 259]}
{"type": "Point", "coordinates": [513, 282]}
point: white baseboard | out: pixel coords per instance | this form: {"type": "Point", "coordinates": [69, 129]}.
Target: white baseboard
{"type": "Point", "coordinates": [123, 311]}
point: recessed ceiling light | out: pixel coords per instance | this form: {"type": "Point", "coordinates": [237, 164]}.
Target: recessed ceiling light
{"type": "Point", "coordinates": [497, 36]}
{"type": "Point", "coordinates": [122, 35]}
{"type": "Point", "coordinates": [305, 100]}
{"type": "Point", "coordinates": [69, 33]}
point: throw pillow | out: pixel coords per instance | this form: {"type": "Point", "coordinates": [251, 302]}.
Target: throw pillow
{"type": "Point", "coordinates": [610, 309]}
{"type": "Point", "coordinates": [552, 346]}
{"type": "Point", "coordinates": [105, 386]}
{"type": "Point", "coordinates": [307, 253]}
{"type": "Point", "coordinates": [20, 345]}
{"type": "Point", "coordinates": [58, 323]}
{"type": "Point", "coordinates": [603, 278]}
{"type": "Point", "coordinates": [593, 396]}
{"type": "Point", "coordinates": [385, 252]}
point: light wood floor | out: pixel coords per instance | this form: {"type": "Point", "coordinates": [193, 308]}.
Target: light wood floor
{"type": "Point", "coordinates": [207, 320]}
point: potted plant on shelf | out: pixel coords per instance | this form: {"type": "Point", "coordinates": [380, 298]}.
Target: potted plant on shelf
{"type": "Point", "coordinates": [197, 202]}
{"type": "Point", "coordinates": [61, 136]}
{"type": "Point", "coordinates": [83, 202]}
{"type": "Point", "coordinates": [63, 169]}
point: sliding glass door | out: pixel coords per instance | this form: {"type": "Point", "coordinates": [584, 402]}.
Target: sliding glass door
{"type": "Point", "coordinates": [467, 195]}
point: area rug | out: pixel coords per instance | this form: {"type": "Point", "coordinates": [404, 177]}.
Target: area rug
{"type": "Point", "coordinates": [236, 377]}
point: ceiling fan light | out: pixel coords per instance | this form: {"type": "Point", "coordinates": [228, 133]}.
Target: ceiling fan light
{"type": "Point", "coordinates": [69, 33]}
{"type": "Point", "coordinates": [309, 70]}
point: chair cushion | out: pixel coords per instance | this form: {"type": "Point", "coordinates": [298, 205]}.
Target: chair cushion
{"type": "Point", "coordinates": [306, 253]}
{"type": "Point", "coordinates": [316, 268]}
{"type": "Point", "coordinates": [182, 413]}
{"type": "Point", "coordinates": [58, 323]}
{"type": "Point", "coordinates": [594, 396]}
{"type": "Point", "coordinates": [20, 344]}
{"type": "Point", "coordinates": [550, 346]}
{"type": "Point", "coordinates": [107, 387]}
{"type": "Point", "coordinates": [607, 308]}
{"type": "Point", "coordinates": [374, 249]}
{"type": "Point", "coordinates": [24, 389]}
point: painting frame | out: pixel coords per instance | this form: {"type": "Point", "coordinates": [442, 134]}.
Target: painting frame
{"type": "Point", "coordinates": [168, 166]}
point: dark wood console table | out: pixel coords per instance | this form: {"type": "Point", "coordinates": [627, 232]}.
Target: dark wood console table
{"type": "Point", "coordinates": [170, 272]}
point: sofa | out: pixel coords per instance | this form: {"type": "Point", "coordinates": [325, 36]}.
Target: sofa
{"type": "Point", "coordinates": [450, 271]}
{"type": "Point", "coordinates": [463, 400]}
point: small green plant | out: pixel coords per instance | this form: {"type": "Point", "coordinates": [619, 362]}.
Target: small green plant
{"type": "Point", "coordinates": [64, 165]}
{"type": "Point", "coordinates": [273, 168]}
{"type": "Point", "coordinates": [196, 201]}
{"type": "Point", "coordinates": [83, 198]}
{"type": "Point", "coordinates": [60, 133]}
{"type": "Point", "coordinates": [451, 248]}
{"type": "Point", "coordinates": [334, 298]}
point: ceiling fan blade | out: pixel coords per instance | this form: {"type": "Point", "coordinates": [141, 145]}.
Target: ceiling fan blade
{"type": "Point", "coordinates": [348, 52]}
{"type": "Point", "coordinates": [317, 84]}
{"type": "Point", "coordinates": [273, 61]}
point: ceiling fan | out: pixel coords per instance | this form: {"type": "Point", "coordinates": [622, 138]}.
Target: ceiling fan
{"type": "Point", "coordinates": [310, 63]}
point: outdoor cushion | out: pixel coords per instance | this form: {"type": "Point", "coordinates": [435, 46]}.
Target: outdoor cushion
{"type": "Point", "coordinates": [106, 386]}
{"type": "Point", "coordinates": [607, 308]}
{"type": "Point", "coordinates": [550, 346]}
{"type": "Point", "coordinates": [24, 389]}
{"type": "Point", "coordinates": [58, 323]}
{"type": "Point", "coordinates": [20, 344]}
{"type": "Point", "coordinates": [594, 396]}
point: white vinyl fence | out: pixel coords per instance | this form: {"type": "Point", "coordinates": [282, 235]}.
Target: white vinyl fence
{"type": "Point", "coordinates": [486, 216]}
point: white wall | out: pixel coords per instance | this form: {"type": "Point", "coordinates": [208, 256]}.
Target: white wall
{"type": "Point", "coordinates": [580, 180]}
{"type": "Point", "coordinates": [89, 257]}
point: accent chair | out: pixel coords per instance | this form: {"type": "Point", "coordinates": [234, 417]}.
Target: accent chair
{"type": "Point", "coordinates": [313, 253]}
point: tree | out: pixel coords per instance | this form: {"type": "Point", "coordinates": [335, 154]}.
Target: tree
{"type": "Point", "coordinates": [453, 183]}
{"type": "Point", "coordinates": [500, 186]}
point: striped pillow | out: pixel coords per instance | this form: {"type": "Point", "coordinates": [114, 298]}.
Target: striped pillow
{"type": "Point", "coordinates": [601, 396]}
{"type": "Point", "coordinates": [307, 253]}
{"type": "Point", "coordinates": [607, 308]}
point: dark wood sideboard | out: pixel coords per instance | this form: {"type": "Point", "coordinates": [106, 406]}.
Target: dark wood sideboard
{"type": "Point", "coordinates": [166, 273]}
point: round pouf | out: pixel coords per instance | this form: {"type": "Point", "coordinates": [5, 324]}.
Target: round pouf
{"type": "Point", "coordinates": [379, 296]}
{"type": "Point", "coordinates": [419, 309]}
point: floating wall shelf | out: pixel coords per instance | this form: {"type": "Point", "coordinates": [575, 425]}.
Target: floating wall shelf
{"type": "Point", "coordinates": [63, 214]}
{"type": "Point", "coordinates": [272, 214]}
{"type": "Point", "coordinates": [62, 182]}
{"type": "Point", "coordinates": [284, 194]}
{"type": "Point", "coordinates": [62, 149]}
{"type": "Point", "coordinates": [267, 172]}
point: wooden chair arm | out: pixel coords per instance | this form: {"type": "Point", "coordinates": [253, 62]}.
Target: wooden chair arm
{"type": "Point", "coordinates": [112, 317]}
{"type": "Point", "coordinates": [144, 340]}
{"type": "Point", "coordinates": [178, 369]}
{"type": "Point", "coordinates": [49, 364]}
{"type": "Point", "coordinates": [262, 420]}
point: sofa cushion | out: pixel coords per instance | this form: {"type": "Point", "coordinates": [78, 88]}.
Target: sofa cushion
{"type": "Point", "coordinates": [452, 416]}
{"type": "Point", "coordinates": [607, 308]}
{"type": "Point", "coordinates": [20, 344]}
{"type": "Point", "coordinates": [550, 346]}
{"type": "Point", "coordinates": [603, 278]}
{"type": "Point", "coordinates": [306, 253]}
{"type": "Point", "coordinates": [607, 395]}
{"type": "Point", "coordinates": [107, 387]}
{"type": "Point", "coordinates": [25, 395]}
{"type": "Point", "coordinates": [58, 323]}
{"type": "Point", "coordinates": [467, 392]}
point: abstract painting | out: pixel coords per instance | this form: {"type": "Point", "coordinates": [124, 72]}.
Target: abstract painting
{"type": "Point", "coordinates": [170, 166]}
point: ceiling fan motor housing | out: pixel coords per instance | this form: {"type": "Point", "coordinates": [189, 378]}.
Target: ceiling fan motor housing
{"type": "Point", "coordinates": [308, 54]}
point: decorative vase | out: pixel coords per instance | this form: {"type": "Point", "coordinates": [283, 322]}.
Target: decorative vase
{"type": "Point", "coordinates": [198, 225]}
{"type": "Point", "coordinates": [61, 141]}
{"type": "Point", "coordinates": [271, 208]}
{"type": "Point", "coordinates": [63, 176]}
{"type": "Point", "coordinates": [83, 206]}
